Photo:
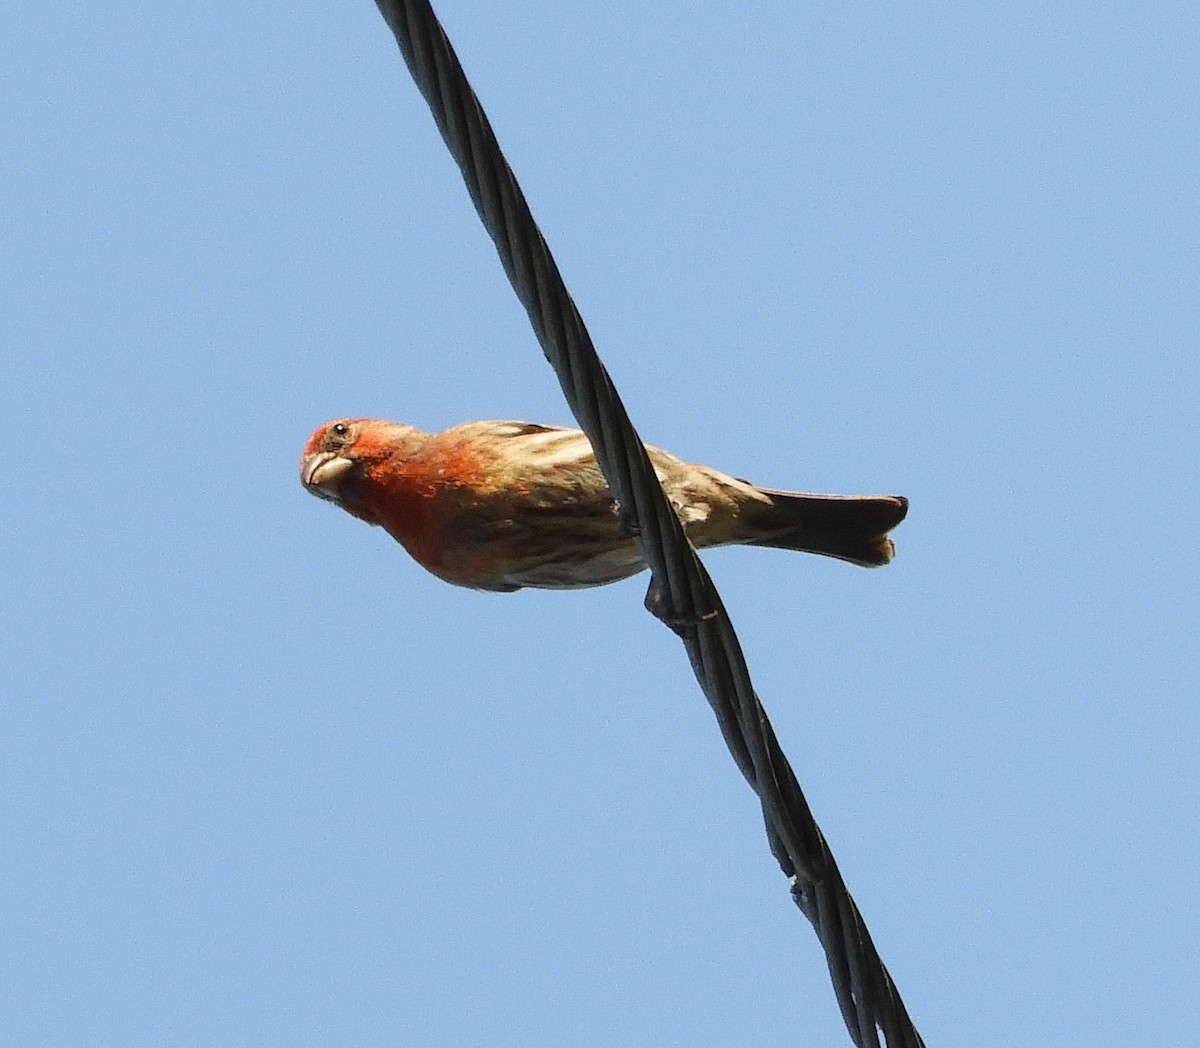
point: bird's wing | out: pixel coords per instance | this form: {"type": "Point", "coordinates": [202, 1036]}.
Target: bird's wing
{"type": "Point", "coordinates": [502, 428]}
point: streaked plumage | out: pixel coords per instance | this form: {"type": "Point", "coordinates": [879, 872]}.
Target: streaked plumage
{"type": "Point", "coordinates": [501, 505]}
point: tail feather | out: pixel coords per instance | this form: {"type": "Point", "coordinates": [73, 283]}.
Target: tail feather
{"type": "Point", "coordinates": [849, 527]}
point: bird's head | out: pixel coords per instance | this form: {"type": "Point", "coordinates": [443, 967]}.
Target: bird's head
{"type": "Point", "coordinates": [331, 458]}
{"type": "Point", "coordinates": [354, 462]}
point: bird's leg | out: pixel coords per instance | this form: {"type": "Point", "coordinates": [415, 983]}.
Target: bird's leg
{"type": "Point", "coordinates": [682, 621]}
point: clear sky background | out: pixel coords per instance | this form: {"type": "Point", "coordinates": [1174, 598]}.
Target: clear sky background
{"type": "Point", "coordinates": [264, 782]}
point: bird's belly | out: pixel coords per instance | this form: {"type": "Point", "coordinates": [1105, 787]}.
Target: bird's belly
{"type": "Point", "coordinates": [568, 545]}
{"type": "Point", "coordinates": [576, 569]}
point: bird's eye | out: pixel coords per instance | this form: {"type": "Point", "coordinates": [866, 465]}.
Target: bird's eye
{"type": "Point", "coordinates": [339, 429]}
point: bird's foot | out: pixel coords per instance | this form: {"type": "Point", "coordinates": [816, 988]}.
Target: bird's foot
{"type": "Point", "coordinates": [682, 621]}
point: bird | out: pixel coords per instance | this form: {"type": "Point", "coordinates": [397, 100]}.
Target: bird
{"type": "Point", "coordinates": [502, 505]}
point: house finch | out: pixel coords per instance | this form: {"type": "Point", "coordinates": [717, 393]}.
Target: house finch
{"type": "Point", "coordinates": [501, 505]}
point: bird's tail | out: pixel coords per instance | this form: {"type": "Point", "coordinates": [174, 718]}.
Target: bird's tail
{"type": "Point", "coordinates": [849, 527]}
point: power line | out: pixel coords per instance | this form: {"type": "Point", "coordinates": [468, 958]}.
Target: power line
{"type": "Point", "coordinates": [681, 592]}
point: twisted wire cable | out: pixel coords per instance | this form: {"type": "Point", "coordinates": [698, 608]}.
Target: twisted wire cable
{"type": "Point", "coordinates": [681, 592]}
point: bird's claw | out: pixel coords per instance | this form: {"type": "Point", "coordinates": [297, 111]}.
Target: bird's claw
{"type": "Point", "coordinates": [681, 621]}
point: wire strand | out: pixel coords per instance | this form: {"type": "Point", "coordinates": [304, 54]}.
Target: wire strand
{"type": "Point", "coordinates": [681, 592]}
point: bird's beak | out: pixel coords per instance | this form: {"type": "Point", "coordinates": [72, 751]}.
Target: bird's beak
{"type": "Point", "coordinates": [323, 473]}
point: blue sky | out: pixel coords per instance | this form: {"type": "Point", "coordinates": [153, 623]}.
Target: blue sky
{"type": "Point", "coordinates": [265, 782]}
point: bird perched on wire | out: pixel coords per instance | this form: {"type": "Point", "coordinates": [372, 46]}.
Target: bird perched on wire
{"type": "Point", "coordinates": [501, 505]}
